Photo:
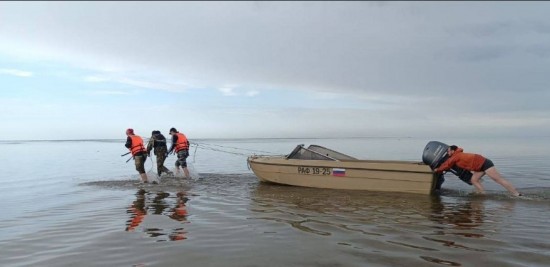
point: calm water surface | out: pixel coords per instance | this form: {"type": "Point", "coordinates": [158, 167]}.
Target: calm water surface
{"type": "Point", "coordinates": [74, 203]}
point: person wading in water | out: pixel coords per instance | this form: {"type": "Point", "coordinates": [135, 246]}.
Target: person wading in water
{"type": "Point", "coordinates": [181, 145]}
{"type": "Point", "coordinates": [478, 165]}
{"type": "Point", "coordinates": [135, 144]}
{"type": "Point", "coordinates": [157, 143]}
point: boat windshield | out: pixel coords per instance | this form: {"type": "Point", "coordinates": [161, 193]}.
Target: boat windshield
{"type": "Point", "coordinates": [315, 152]}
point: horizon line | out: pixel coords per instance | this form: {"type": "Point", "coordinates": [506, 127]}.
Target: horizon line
{"type": "Point", "coordinates": [243, 138]}
{"type": "Point", "coordinates": [208, 138]}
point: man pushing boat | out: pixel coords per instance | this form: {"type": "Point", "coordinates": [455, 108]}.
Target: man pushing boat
{"type": "Point", "coordinates": [478, 165]}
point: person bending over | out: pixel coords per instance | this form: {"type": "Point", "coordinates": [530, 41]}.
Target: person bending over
{"type": "Point", "coordinates": [478, 165]}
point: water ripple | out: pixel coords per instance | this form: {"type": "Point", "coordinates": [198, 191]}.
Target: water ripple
{"type": "Point", "coordinates": [95, 215]}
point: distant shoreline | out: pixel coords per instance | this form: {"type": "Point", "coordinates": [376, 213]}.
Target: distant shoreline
{"type": "Point", "coordinates": [280, 138]}
{"type": "Point", "coordinates": [236, 138]}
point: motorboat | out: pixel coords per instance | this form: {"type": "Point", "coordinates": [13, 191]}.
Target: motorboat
{"type": "Point", "coordinates": [320, 167]}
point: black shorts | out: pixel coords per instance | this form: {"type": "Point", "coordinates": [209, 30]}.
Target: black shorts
{"type": "Point", "coordinates": [487, 164]}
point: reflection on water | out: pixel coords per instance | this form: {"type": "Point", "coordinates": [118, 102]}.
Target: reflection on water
{"type": "Point", "coordinates": [233, 220]}
{"type": "Point", "coordinates": [464, 219]}
{"type": "Point", "coordinates": [137, 211]}
{"type": "Point", "coordinates": [149, 204]}
{"type": "Point", "coordinates": [423, 223]}
{"type": "Point", "coordinates": [378, 226]}
{"type": "Point", "coordinates": [248, 223]}
{"type": "Point", "coordinates": [463, 215]}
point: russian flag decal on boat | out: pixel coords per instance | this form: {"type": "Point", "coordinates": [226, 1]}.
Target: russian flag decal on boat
{"type": "Point", "coordinates": [338, 172]}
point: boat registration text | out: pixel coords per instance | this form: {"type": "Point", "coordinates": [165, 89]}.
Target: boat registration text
{"type": "Point", "coordinates": [314, 170]}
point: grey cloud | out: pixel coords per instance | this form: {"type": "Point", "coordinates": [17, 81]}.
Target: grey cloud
{"type": "Point", "coordinates": [542, 27]}
{"type": "Point", "coordinates": [481, 53]}
{"type": "Point", "coordinates": [541, 50]}
{"type": "Point", "coordinates": [483, 29]}
{"type": "Point", "coordinates": [471, 53]}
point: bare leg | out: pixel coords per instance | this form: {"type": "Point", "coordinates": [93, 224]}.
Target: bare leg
{"type": "Point", "coordinates": [143, 177]}
{"type": "Point", "coordinates": [186, 172]}
{"type": "Point", "coordinates": [476, 176]}
{"type": "Point", "coordinates": [495, 175]}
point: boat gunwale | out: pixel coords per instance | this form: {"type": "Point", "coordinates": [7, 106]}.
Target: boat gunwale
{"type": "Point", "coordinates": [294, 162]}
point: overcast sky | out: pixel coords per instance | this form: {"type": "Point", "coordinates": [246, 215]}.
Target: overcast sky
{"type": "Point", "coordinates": [79, 70]}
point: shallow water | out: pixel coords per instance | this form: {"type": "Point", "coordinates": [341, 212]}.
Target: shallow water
{"type": "Point", "coordinates": [77, 203]}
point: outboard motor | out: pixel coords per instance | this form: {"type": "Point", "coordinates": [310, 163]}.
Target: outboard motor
{"type": "Point", "coordinates": [435, 153]}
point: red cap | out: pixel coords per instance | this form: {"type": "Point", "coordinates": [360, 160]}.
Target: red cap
{"type": "Point", "coordinates": [129, 131]}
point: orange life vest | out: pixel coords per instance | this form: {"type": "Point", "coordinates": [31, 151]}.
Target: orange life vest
{"type": "Point", "coordinates": [181, 142]}
{"type": "Point", "coordinates": [137, 145]}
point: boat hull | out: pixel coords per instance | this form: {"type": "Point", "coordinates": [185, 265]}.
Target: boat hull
{"type": "Point", "coordinates": [389, 176]}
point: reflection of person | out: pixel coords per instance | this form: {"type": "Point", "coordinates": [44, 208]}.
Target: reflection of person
{"type": "Point", "coordinates": [137, 210]}
{"type": "Point", "coordinates": [159, 204]}
{"type": "Point", "coordinates": [478, 165]}
{"type": "Point", "coordinates": [141, 208]}
{"type": "Point", "coordinates": [181, 146]}
{"type": "Point", "coordinates": [135, 144]}
{"type": "Point", "coordinates": [157, 143]}
{"type": "Point", "coordinates": [179, 214]}
{"type": "Point", "coordinates": [180, 211]}
{"type": "Point", "coordinates": [465, 216]}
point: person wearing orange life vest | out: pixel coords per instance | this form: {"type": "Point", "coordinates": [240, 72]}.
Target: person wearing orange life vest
{"type": "Point", "coordinates": [181, 146]}
{"type": "Point", "coordinates": [135, 144]}
{"type": "Point", "coordinates": [478, 165]}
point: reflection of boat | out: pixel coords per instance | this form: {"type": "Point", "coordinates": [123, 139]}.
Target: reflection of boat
{"type": "Point", "coordinates": [320, 167]}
